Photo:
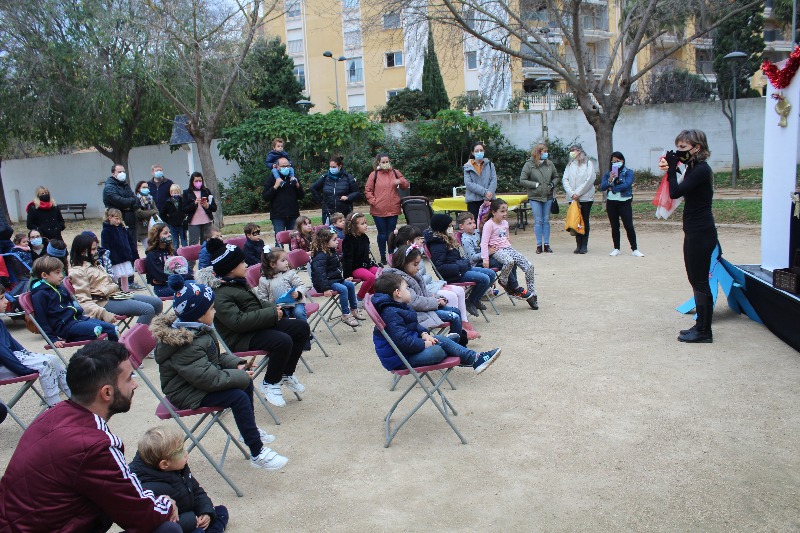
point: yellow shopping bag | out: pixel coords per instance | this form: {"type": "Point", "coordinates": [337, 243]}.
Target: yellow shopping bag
{"type": "Point", "coordinates": [574, 221]}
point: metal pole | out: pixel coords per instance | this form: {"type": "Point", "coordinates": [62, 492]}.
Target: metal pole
{"type": "Point", "coordinates": [735, 147]}
{"type": "Point", "coordinates": [336, 81]}
{"type": "Point", "coordinates": [794, 24]}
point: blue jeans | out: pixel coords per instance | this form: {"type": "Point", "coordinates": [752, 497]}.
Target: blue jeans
{"type": "Point", "coordinates": [282, 224]}
{"type": "Point", "coordinates": [217, 526]}
{"type": "Point", "coordinates": [347, 294]}
{"type": "Point", "coordinates": [483, 278]}
{"type": "Point", "coordinates": [541, 220]}
{"type": "Point", "coordinates": [83, 330]}
{"type": "Point", "coordinates": [298, 312]}
{"type": "Point", "coordinates": [452, 315]}
{"type": "Point", "coordinates": [385, 226]}
{"type": "Point", "coordinates": [145, 307]}
{"type": "Point", "coordinates": [241, 403]}
{"type": "Point", "coordinates": [178, 236]}
{"type": "Point", "coordinates": [435, 354]}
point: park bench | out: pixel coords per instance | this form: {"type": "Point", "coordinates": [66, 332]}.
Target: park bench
{"type": "Point", "coordinates": [74, 209]}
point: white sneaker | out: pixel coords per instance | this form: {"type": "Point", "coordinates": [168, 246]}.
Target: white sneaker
{"type": "Point", "coordinates": [291, 383]}
{"type": "Point", "coordinates": [614, 253]}
{"type": "Point", "coordinates": [268, 459]}
{"type": "Point", "coordinates": [273, 394]}
{"type": "Point", "coordinates": [266, 438]}
{"type": "Point", "coordinates": [637, 253]}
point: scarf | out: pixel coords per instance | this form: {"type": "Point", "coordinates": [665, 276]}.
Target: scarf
{"type": "Point", "coordinates": [45, 205]}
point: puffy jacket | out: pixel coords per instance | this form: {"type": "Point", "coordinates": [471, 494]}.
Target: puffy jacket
{"type": "Point", "coordinates": [625, 185]}
{"type": "Point", "coordinates": [422, 302]}
{"type": "Point", "coordinates": [326, 269]}
{"type": "Point", "coordinates": [328, 191]}
{"type": "Point", "coordinates": [8, 345]}
{"type": "Point", "coordinates": [448, 261]}
{"type": "Point", "coordinates": [48, 222]}
{"type": "Point", "coordinates": [171, 211]}
{"type": "Point", "coordinates": [203, 258]}
{"type": "Point", "coordinates": [189, 205]}
{"type": "Point", "coordinates": [55, 309]}
{"type": "Point", "coordinates": [355, 254]}
{"type": "Point", "coordinates": [117, 240]}
{"type": "Point", "coordinates": [253, 250]}
{"type": "Point", "coordinates": [68, 474]}
{"type": "Point", "coordinates": [284, 202]}
{"type": "Point", "coordinates": [579, 179]}
{"type": "Point", "coordinates": [240, 314]}
{"type": "Point", "coordinates": [269, 290]}
{"type": "Point", "coordinates": [478, 184]}
{"type": "Point", "coordinates": [93, 286]}
{"type": "Point", "coordinates": [381, 192]}
{"type": "Point", "coordinates": [191, 365]}
{"type": "Point", "coordinates": [273, 156]}
{"type": "Point", "coordinates": [159, 190]}
{"type": "Point", "coordinates": [401, 326]}
{"type": "Point", "coordinates": [540, 180]}
{"type": "Point", "coordinates": [119, 194]}
{"type": "Point", "coordinates": [181, 486]}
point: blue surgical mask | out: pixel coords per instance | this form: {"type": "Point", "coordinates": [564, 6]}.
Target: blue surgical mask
{"type": "Point", "coordinates": [616, 165]}
{"type": "Point", "coordinates": [36, 241]}
{"type": "Point", "coordinates": [158, 174]}
{"type": "Point", "coordinates": [285, 171]}
{"type": "Point", "coordinates": [478, 156]}
{"type": "Point", "coordinates": [333, 170]}
{"type": "Point", "coordinates": [544, 156]}
{"type": "Point", "coordinates": [144, 191]}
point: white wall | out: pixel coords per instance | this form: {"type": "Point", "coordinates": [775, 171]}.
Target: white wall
{"type": "Point", "coordinates": [78, 178]}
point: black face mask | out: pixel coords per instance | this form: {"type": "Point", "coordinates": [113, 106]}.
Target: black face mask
{"type": "Point", "coordinates": [683, 155]}
{"type": "Point", "coordinates": [44, 197]}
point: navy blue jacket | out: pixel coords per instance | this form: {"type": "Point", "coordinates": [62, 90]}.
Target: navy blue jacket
{"type": "Point", "coordinates": [54, 309]}
{"type": "Point", "coordinates": [403, 328]}
{"type": "Point", "coordinates": [625, 187]}
{"type": "Point", "coordinates": [160, 191]}
{"type": "Point", "coordinates": [154, 263]}
{"type": "Point", "coordinates": [203, 258]}
{"type": "Point", "coordinates": [328, 191]}
{"type": "Point", "coordinates": [253, 251]}
{"type": "Point", "coordinates": [448, 261]}
{"type": "Point", "coordinates": [355, 254]}
{"type": "Point", "coordinates": [284, 202]}
{"type": "Point", "coordinates": [119, 243]}
{"type": "Point", "coordinates": [326, 269]}
{"type": "Point", "coordinates": [7, 348]}
{"type": "Point", "coordinates": [273, 156]}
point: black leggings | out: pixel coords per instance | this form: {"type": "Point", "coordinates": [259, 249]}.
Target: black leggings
{"type": "Point", "coordinates": [697, 249]}
{"type": "Point", "coordinates": [474, 207]}
{"type": "Point", "coordinates": [624, 210]}
{"type": "Point", "coordinates": [285, 343]}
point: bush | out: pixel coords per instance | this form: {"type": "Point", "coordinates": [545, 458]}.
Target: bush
{"type": "Point", "coordinates": [406, 105]}
{"type": "Point", "coordinates": [567, 102]}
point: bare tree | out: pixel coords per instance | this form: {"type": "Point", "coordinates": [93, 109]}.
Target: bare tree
{"type": "Point", "coordinates": [552, 34]}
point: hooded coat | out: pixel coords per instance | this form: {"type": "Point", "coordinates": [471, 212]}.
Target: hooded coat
{"type": "Point", "coordinates": [448, 261]}
{"type": "Point", "coordinates": [328, 191]}
{"type": "Point", "coordinates": [402, 327]}
{"type": "Point", "coordinates": [540, 180]}
{"type": "Point", "coordinates": [423, 302]}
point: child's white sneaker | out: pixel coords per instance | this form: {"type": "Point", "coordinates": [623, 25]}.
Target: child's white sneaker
{"type": "Point", "coordinates": [273, 394]}
{"type": "Point", "coordinates": [350, 320]}
{"type": "Point", "coordinates": [266, 438]}
{"type": "Point", "coordinates": [291, 383]}
{"type": "Point", "coordinates": [614, 252]}
{"type": "Point", "coordinates": [269, 460]}
{"type": "Point", "coordinates": [637, 253]}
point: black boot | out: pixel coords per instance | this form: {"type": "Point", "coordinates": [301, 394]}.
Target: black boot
{"type": "Point", "coordinates": [463, 339]}
{"type": "Point", "coordinates": [702, 330]}
{"type": "Point", "coordinates": [578, 241]}
{"type": "Point", "coordinates": [585, 243]}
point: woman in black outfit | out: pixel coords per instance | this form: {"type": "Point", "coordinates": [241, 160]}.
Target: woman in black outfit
{"type": "Point", "coordinates": [700, 232]}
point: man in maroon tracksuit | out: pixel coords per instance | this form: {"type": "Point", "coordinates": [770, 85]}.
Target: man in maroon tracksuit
{"type": "Point", "coordinates": [68, 473]}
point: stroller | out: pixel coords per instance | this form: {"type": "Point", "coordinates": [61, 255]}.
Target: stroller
{"type": "Point", "coordinates": [418, 211]}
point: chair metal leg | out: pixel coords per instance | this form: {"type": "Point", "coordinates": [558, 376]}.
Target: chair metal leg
{"type": "Point", "coordinates": [396, 379]}
{"type": "Point", "coordinates": [302, 360]}
{"type": "Point", "coordinates": [319, 344]}
{"type": "Point", "coordinates": [26, 386]}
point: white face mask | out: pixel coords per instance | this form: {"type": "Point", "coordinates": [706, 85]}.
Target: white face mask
{"type": "Point", "coordinates": [121, 176]}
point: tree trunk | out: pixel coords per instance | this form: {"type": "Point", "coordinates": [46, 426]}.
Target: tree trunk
{"type": "Point", "coordinates": [3, 203]}
{"type": "Point", "coordinates": [727, 110]}
{"type": "Point", "coordinates": [209, 174]}
{"type": "Point", "coordinates": [604, 137]}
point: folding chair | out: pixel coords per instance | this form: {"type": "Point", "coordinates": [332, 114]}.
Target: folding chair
{"type": "Point", "coordinates": [418, 211]}
{"type": "Point", "coordinates": [236, 241]}
{"type": "Point", "coordinates": [140, 267]}
{"type": "Point", "coordinates": [468, 286]}
{"type": "Point", "coordinates": [26, 303]}
{"type": "Point", "coordinates": [191, 253]}
{"type": "Point", "coordinates": [491, 297]}
{"type": "Point", "coordinates": [435, 387]}
{"type": "Point", "coordinates": [123, 319]}
{"type": "Point", "coordinates": [284, 238]}
{"type": "Point", "coordinates": [140, 342]}
{"type": "Point", "coordinates": [27, 384]}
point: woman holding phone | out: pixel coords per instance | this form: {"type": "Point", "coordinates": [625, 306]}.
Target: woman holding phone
{"type": "Point", "coordinates": [198, 206]}
{"type": "Point", "coordinates": [619, 183]}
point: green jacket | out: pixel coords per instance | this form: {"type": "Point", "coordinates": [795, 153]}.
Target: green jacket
{"type": "Point", "coordinates": [540, 180]}
{"type": "Point", "coordinates": [240, 314]}
{"type": "Point", "coordinates": [190, 364]}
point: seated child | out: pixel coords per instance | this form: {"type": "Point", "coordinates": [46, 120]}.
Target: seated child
{"type": "Point", "coordinates": [419, 347]}
{"type": "Point", "coordinates": [495, 235]}
{"type": "Point", "coordinates": [172, 213]}
{"type": "Point", "coordinates": [58, 249]}
{"type": "Point", "coordinates": [161, 465]}
{"type": "Point", "coordinates": [204, 259]}
{"type": "Point", "coordinates": [20, 266]}
{"type": "Point", "coordinates": [59, 315]}
{"type": "Point", "coordinates": [356, 259]}
{"type": "Point", "coordinates": [17, 361]}
{"type": "Point", "coordinates": [159, 253]}
{"type": "Point", "coordinates": [103, 255]}
{"type": "Point", "coordinates": [254, 245]}
{"type": "Point", "coordinates": [303, 235]}
{"type": "Point", "coordinates": [471, 244]}
{"type": "Point", "coordinates": [277, 280]}
{"type": "Point", "coordinates": [337, 224]}
{"type": "Point", "coordinates": [195, 374]}
{"type": "Point", "coordinates": [327, 275]}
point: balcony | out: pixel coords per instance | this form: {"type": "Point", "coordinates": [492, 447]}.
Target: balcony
{"type": "Point", "coordinates": [703, 43]}
{"type": "Point", "coordinates": [667, 40]}
{"type": "Point", "coordinates": [777, 41]}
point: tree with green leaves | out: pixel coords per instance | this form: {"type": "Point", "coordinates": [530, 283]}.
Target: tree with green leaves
{"type": "Point", "coordinates": [408, 104]}
{"type": "Point", "coordinates": [269, 79]}
{"type": "Point", "coordinates": [432, 81]}
{"type": "Point", "coordinates": [742, 32]}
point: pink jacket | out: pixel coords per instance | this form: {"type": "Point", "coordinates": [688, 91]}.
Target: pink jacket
{"type": "Point", "coordinates": [381, 192]}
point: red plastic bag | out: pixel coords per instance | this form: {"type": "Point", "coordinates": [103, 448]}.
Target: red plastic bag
{"type": "Point", "coordinates": [665, 205]}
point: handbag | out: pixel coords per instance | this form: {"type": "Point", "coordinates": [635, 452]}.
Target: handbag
{"type": "Point", "coordinates": [554, 206]}
{"type": "Point", "coordinates": [574, 221]}
{"type": "Point", "coordinates": [153, 221]}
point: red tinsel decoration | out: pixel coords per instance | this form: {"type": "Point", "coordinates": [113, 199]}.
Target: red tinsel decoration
{"type": "Point", "coordinates": [781, 78]}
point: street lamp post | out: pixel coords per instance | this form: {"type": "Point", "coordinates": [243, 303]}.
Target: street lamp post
{"type": "Point", "coordinates": [549, 82]}
{"type": "Point", "coordinates": [545, 127]}
{"type": "Point", "coordinates": [734, 58]}
{"type": "Point", "coordinates": [305, 105]}
{"type": "Point", "coordinates": [327, 53]}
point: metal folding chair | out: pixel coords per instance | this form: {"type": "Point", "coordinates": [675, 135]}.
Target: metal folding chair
{"type": "Point", "coordinates": [468, 286]}
{"type": "Point", "coordinates": [191, 253]}
{"type": "Point", "coordinates": [27, 381]}
{"type": "Point", "coordinates": [140, 267]}
{"type": "Point", "coordinates": [140, 342]}
{"type": "Point", "coordinates": [124, 320]}
{"type": "Point", "coordinates": [284, 238]}
{"type": "Point", "coordinates": [491, 297]}
{"type": "Point", "coordinates": [431, 388]}
{"type": "Point", "coordinates": [236, 241]}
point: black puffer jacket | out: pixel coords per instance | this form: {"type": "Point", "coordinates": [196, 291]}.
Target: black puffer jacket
{"type": "Point", "coordinates": [48, 222]}
{"type": "Point", "coordinates": [326, 269]}
{"type": "Point", "coordinates": [448, 261]}
{"type": "Point", "coordinates": [119, 194]}
{"type": "Point", "coordinates": [284, 202]}
{"type": "Point", "coordinates": [189, 205]}
{"type": "Point", "coordinates": [328, 191]}
{"type": "Point", "coordinates": [355, 254]}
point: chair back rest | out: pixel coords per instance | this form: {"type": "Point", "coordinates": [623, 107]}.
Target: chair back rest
{"type": "Point", "coordinates": [433, 266]}
{"type": "Point", "coordinates": [25, 302]}
{"type": "Point", "coordinates": [283, 237]}
{"type": "Point", "coordinates": [191, 253]}
{"type": "Point", "coordinates": [373, 313]}
{"type": "Point", "coordinates": [68, 285]}
{"type": "Point", "coordinates": [140, 266]}
{"type": "Point", "coordinates": [418, 211]}
{"type": "Point", "coordinates": [339, 247]}
{"type": "Point", "coordinates": [298, 258]}
{"type": "Point", "coordinates": [320, 226]}
{"type": "Point", "coordinates": [236, 241]}
{"type": "Point", "coordinates": [253, 273]}
{"type": "Point", "coordinates": [457, 237]}
{"type": "Point", "coordinates": [139, 342]}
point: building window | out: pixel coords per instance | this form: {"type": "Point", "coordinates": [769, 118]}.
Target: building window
{"type": "Point", "coordinates": [350, 4]}
{"type": "Point", "coordinates": [526, 48]}
{"type": "Point", "coordinates": [355, 70]}
{"type": "Point", "coordinates": [472, 60]}
{"type": "Point", "coordinates": [300, 74]}
{"type": "Point", "coordinates": [392, 21]}
{"type": "Point", "coordinates": [292, 9]}
{"type": "Point", "coordinates": [352, 39]}
{"type": "Point", "coordinates": [295, 47]}
{"type": "Point", "coordinates": [391, 93]}
{"type": "Point", "coordinates": [357, 108]}
{"type": "Point", "coordinates": [394, 59]}
{"type": "Point", "coordinates": [469, 18]}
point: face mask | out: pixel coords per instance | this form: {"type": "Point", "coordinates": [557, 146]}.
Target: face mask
{"type": "Point", "coordinates": [94, 257]}
{"type": "Point", "coordinates": [36, 241]}
{"type": "Point", "coordinates": [176, 196]}
{"type": "Point", "coordinates": [616, 165]}
{"type": "Point", "coordinates": [573, 155]}
{"type": "Point", "coordinates": [544, 156]}
{"type": "Point", "coordinates": [165, 240]}
{"type": "Point", "coordinates": [333, 170]}
{"type": "Point", "coordinates": [683, 155]}
{"type": "Point", "coordinates": [158, 175]}
{"type": "Point", "coordinates": [386, 166]}
{"type": "Point", "coordinates": [144, 192]}
{"type": "Point", "coordinates": [198, 185]}
{"type": "Point", "coordinates": [44, 197]}
{"type": "Point", "coordinates": [285, 171]}
{"type": "Point", "coordinates": [121, 176]}
{"type": "Point", "coordinates": [478, 156]}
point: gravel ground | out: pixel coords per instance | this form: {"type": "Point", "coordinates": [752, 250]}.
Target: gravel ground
{"type": "Point", "coordinates": [594, 419]}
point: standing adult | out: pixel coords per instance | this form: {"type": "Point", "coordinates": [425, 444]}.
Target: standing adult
{"type": "Point", "coordinates": [118, 193]}
{"type": "Point", "coordinates": [199, 205]}
{"type": "Point", "coordinates": [578, 183]}
{"type": "Point", "coordinates": [480, 178]}
{"type": "Point", "coordinates": [44, 215]}
{"type": "Point", "coordinates": [159, 186]}
{"type": "Point", "coordinates": [283, 192]}
{"type": "Point", "coordinates": [619, 183]}
{"type": "Point", "coordinates": [540, 177]}
{"type": "Point", "coordinates": [68, 472]}
{"type": "Point", "coordinates": [335, 190]}
{"type": "Point", "coordinates": [147, 210]}
{"type": "Point", "coordinates": [699, 229]}
{"type": "Point", "coordinates": [382, 192]}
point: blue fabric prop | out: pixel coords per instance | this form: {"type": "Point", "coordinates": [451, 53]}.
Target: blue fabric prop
{"type": "Point", "coordinates": [286, 299]}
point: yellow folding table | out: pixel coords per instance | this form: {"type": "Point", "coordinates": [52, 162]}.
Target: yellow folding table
{"type": "Point", "coordinates": [516, 202]}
